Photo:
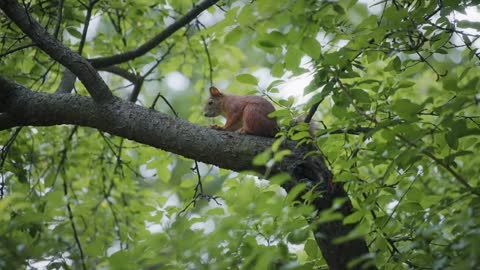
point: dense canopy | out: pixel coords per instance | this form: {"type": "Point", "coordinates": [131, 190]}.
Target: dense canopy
{"type": "Point", "coordinates": [106, 159]}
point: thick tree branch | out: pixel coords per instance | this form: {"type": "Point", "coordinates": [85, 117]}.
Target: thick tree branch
{"type": "Point", "coordinates": [71, 60]}
{"type": "Point", "coordinates": [125, 119]}
{"type": "Point", "coordinates": [155, 41]}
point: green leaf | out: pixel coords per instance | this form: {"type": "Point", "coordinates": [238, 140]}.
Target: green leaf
{"type": "Point", "coordinates": [298, 236]}
{"type": "Point", "coordinates": [411, 207]}
{"type": "Point", "coordinates": [279, 178]}
{"type": "Point", "coordinates": [300, 135]}
{"type": "Point", "coordinates": [394, 65]}
{"type": "Point", "coordinates": [294, 192]}
{"type": "Point", "coordinates": [247, 79]}
{"type": "Point", "coordinates": [469, 24]}
{"type": "Point", "coordinates": [293, 58]}
{"type": "Point", "coordinates": [311, 47]}
{"type": "Point", "coordinates": [452, 139]}
{"type": "Point", "coordinates": [405, 84]}
{"type": "Point", "coordinates": [359, 231]}
{"type": "Point", "coordinates": [281, 154]}
{"type": "Point", "coordinates": [353, 218]}
{"type": "Point", "coordinates": [339, 9]}
{"type": "Point", "coordinates": [311, 248]}
{"type": "Point", "coordinates": [262, 158]}
{"type": "Point", "coordinates": [121, 260]}
{"type": "Point", "coordinates": [74, 32]}
{"type": "Point", "coordinates": [233, 36]}
{"type": "Point", "coordinates": [277, 70]}
{"type": "Point", "coordinates": [406, 109]}
{"type": "Point", "coordinates": [246, 16]}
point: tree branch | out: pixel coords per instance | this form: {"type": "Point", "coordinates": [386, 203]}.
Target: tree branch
{"type": "Point", "coordinates": [47, 43]}
{"type": "Point", "coordinates": [125, 119]}
{"type": "Point", "coordinates": [133, 78]}
{"type": "Point", "coordinates": [444, 165]}
{"type": "Point", "coordinates": [155, 41]}
{"type": "Point", "coordinates": [67, 83]}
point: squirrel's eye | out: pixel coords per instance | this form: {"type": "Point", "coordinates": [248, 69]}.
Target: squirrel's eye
{"type": "Point", "coordinates": [210, 102]}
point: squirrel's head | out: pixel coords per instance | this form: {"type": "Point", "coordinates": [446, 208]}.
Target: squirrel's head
{"type": "Point", "coordinates": [214, 104]}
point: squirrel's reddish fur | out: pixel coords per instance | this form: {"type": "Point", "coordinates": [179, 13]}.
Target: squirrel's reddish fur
{"type": "Point", "coordinates": [246, 114]}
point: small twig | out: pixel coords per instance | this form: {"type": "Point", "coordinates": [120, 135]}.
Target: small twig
{"type": "Point", "coordinates": [205, 46]}
{"type": "Point", "coordinates": [65, 193]}
{"type": "Point", "coordinates": [423, 59]}
{"type": "Point", "coordinates": [136, 90]}
{"type": "Point", "coordinates": [442, 164]}
{"type": "Point", "coordinates": [159, 95]}
{"type": "Point", "coordinates": [399, 202]}
{"type": "Point", "coordinates": [86, 23]}
{"type": "Point", "coordinates": [311, 112]}
{"type": "Point", "coordinates": [16, 49]}
{"type": "Point", "coordinates": [124, 73]}
{"type": "Point", "coordinates": [210, 69]}
{"type": "Point", "coordinates": [199, 185]}
{"type": "Point", "coordinates": [3, 157]}
{"type": "Point", "coordinates": [198, 197]}
{"type": "Point", "coordinates": [349, 96]}
{"type": "Point", "coordinates": [74, 228]}
{"type": "Point", "coordinates": [59, 19]}
{"type": "Point", "coordinates": [158, 61]}
{"type": "Point", "coordinates": [198, 194]}
{"type": "Point", "coordinates": [154, 41]}
{"type": "Point", "coordinates": [138, 80]}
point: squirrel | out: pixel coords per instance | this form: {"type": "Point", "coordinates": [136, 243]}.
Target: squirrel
{"type": "Point", "coordinates": [246, 114]}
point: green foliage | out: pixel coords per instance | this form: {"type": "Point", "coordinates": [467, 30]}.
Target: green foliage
{"type": "Point", "coordinates": [398, 122]}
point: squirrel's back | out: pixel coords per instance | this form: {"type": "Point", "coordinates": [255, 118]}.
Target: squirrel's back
{"type": "Point", "coordinates": [247, 114]}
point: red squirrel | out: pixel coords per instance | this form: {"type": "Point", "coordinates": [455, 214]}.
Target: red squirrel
{"type": "Point", "coordinates": [246, 114]}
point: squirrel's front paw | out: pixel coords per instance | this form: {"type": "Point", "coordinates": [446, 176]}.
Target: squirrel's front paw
{"type": "Point", "coordinates": [217, 127]}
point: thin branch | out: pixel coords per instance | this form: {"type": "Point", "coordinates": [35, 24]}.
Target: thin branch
{"type": "Point", "coordinates": [68, 78]}
{"type": "Point", "coordinates": [210, 66]}
{"type": "Point", "coordinates": [59, 19]}
{"type": "Point", "coordinates": [349, 96]}
{"type": "Point", "coordinates": [312, 111]}
{"type": "Point", "coordinates": [71, 217]}
{"type": "Point", "coordinates": [166, 101]}
{"type": "Point", "coordinates": [444, 165]}
{"type": "Point", "coordinates": [3, 157]}
{"type": "Point", "coordinates": [207, 52]}
{"type": "Point", "coordinates": [132, 77]}
{"type": "Point", "coordinates": [136, 90]}
{"type": "Point", "coordinates": [353, 131]}
{"type": "Point", "coordinates": [155, 41]}
{"type": "Point", "coordinates": [158, 61]}
{"type": "Point", "coordinates": [16, 49]}
{"type": "Point", "coordinates": [86, 23]}
{"type": "Point", "coordinates": [399, 201]}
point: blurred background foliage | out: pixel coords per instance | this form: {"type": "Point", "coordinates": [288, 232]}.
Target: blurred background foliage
{"type": "Point", "coordinates": [396, 86]}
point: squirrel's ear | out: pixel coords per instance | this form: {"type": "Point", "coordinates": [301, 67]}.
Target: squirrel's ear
{"type": "Point", "coordinates": [214, 92]}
